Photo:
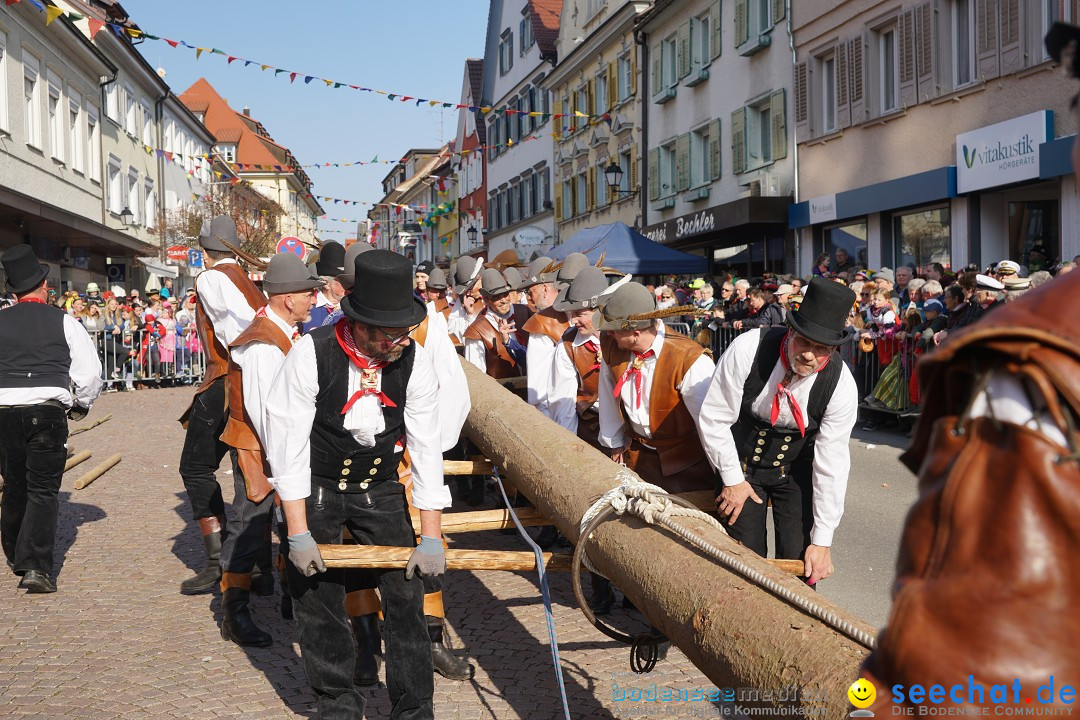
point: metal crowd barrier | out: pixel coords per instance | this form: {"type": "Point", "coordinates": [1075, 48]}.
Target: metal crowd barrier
{"type": "Point", "coordinates": [141, 357]}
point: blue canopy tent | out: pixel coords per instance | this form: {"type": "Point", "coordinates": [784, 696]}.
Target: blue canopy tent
{"type": "Point", "coordinates": [630, 252]}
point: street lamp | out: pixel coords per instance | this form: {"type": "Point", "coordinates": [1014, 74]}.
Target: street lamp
{"type": "Point", "coordinates": [472, 232]}
{"type": "Point", "coordinates": [126, 216]}
{"type": "Point", "coordinates": [614, 174]}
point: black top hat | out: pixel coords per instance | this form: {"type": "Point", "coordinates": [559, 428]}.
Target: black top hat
{"type": "Point", "coordinates": [219, 231]}
{"type": "Point", "coordinates": [24, 272]}
{"type": "Point", "coordinates": [287, 273]}
{"type": "Point", "coordinates": [383, 292]}
{"type": "Point", "coordinates": [331, 262]}
{"type": "Point", "coordinates": [823, 312]}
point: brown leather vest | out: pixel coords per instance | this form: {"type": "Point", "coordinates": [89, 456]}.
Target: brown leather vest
{"type": "Point", "coordinates": [547, 322]}
{"type": "Point", "coordinates": [522, 315]}
{"type": "Point", "coordinates": [419, 333]}
{"type": "Point", "coordinates": [988, 574]}
{"type": "Point", "coordinates": [217, 356]}
{"type": "Point", "coordinates": [674, 434]}
{"type": "Point", "coordinates": [499, 362]}
{"type": "Point", "coordinates": [588, 372]}
{"type": "Point", "coordinates": [239, 432]}
{"type": "Point", "coordinates": [443, 305]}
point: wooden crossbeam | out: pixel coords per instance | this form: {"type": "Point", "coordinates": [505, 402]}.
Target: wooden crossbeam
{"type": "Point", "coordinates": [386, 557]}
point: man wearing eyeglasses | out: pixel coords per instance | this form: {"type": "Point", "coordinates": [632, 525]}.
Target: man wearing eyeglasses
{"type": "Point", "coordinates": [347, 401]}
{"type": "Point", "coordinates": [491, 342]}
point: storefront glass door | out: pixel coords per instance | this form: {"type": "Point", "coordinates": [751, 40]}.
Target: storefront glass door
{"type": "Point", "coordinates": [923, 238]}
{"type": "Point", "coordinates": [1033, 234]}
{"type": "Point", "coordinates": [846, 246]}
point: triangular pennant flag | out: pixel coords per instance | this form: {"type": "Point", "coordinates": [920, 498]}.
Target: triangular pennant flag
{"type": "Point", "coordinates": [51, 13]}
{"type": "Point", "coordinates": [433, 103]}
{"type": "Point", "coordinates": [229, 60]}
{"type": "Point", "coordinates": [12, 2]}
{"type": "Point", "coordinates": [246, 63]}
{"type": "Point", "coordinates": [95, 28]}
{"type": "Point", "coordinates": [292, 77]}
{"type": "Point", "coordinates": [278, 71]}
{"type": "Point", "coordinates": [74, 16]}
{"type": "Point", "coordinates": [328, 82]}
{"type": "Point", "coordinates": [173, 43]}
{"type": "Point", "coordinates": [337, 85]}
{"type": "Point", "coordinates": [264, 67]}
{"type": "Point", "coordinates": [219, 52]}
{"type": "Point", "coordinates": [391, 97]}
{"type": "Point", "coordinates": [308, 79]}
{"type": "Point", "coordinates": [198, 52]}
{"type": "Point", "coordinates": [134, 33]}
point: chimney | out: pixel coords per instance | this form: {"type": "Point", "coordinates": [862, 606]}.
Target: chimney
{"type": "Point", "coordinates": [247, 111]}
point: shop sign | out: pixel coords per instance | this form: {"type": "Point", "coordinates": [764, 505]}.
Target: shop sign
{"type": "Point", "coordinates": [1004, 153]}
{"type": "Point", "coordinates": [822, 209]}
{"type": "Point", "coordinates": [530, 236]}
{"type": "Point", "coordinates": [177, 253]}
{"type": "Point", "coordinates": [682, 227]}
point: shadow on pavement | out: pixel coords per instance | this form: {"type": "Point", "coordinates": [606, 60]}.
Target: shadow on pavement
{"type": "Point", "coordinates": [71, 516]}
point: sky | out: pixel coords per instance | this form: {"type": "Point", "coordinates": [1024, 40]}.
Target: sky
{"type": "Point", "coordinates": [408, 47]}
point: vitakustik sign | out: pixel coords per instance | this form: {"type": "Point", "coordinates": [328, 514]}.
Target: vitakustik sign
{"type": "Point", "coordinates": [1001, 154]}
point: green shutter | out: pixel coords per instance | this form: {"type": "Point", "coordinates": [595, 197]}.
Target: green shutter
{"type": "Point", "coordinates": [682, 50]}
{"type": "Point", "coordinates": [714, 150]}
{"type": "Point", "coordinates": [777, 11]}
{"type": "Point", "coordinates": [654, 173]}
{"type": "Point", "coordinates": [738, 141]}
{"type": "Point", "coordinates": [778, 118]}
{"type": "Point", "coordinates": [717, 36]}
{"type": "Point", "coordinates": [655, 75]}
{"type": "Point", "coordinates": [742, 29]}
{"type": "Point", "coordinates": [682, 162]}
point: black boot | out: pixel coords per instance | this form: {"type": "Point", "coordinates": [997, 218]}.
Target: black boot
{"type": "Point", "coordinates": [603, 597]}
{"type": "Point", "coordinates": [476, 492]}
{"type": "Point", "coordinates": [445, 663]}
{"type": "Point", "coordinates": [237, 624]}
{"type": "Point", "coordinates": [207, 578]}
{"type": "Point", "coordinates": [368, 650]}
{"type": "Point", "coordinates": [262, 582]}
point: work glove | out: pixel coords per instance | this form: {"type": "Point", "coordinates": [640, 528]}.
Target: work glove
{"type": "Point", "coordinates": [304, 554]}
{"type": "Point", "coordinates": [428, 558]}
{"type": "Point", "coordinates": [77, 412]}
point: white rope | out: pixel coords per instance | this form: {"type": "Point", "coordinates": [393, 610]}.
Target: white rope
{"type": "Point", "coordinates": [652, 504]}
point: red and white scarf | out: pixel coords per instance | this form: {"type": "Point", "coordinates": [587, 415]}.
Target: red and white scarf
{"type": "Point", "coordinates": [782, 391]}
{"type": "Point", "coordinates": [634, 368]}
{"type": "Point", "coordinates": [369, 369]}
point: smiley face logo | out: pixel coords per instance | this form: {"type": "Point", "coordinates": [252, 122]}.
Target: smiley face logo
{"type": "Point", "coordinates": [862, 693]}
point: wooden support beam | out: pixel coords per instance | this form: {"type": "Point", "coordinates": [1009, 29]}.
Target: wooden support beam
{"type": "Point", "coordinates": [386, 557]}
{"type": "Point", "coordinates": [466, 467]}
{"type": "Point", "coordinates": [465, 522]}
{"type": "Point", "coordinates": [97, 472]}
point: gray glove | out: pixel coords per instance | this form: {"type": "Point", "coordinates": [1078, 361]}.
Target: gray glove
{"type": "Point", "coordinates": [304, 554]}
{"type": "Point", "coordinates": [428, 558]}
{"type": "Point", "coordinates": [77, 412]}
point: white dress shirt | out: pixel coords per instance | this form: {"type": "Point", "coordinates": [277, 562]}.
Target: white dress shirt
{"type": "Point", "coordinates": [85, 374]}
{"type": "Point", "coordinates": [832, 456]}
{"type": "Point", "coordinates": [259, 363]}
{"type": "Point", "coordinates": [290, 412]}
{"type": "Point", "coordinates": [563, 387]}
{"type": "Point", "coordinates": [454, 401]}
{"type": "Point", "coordinates": [692, 389]}
{"type": "Point", "coordinates": [539, 354]}
{"type": "Point", "coordinates": [225, 306]}
{"type": "Point", "coordinates": [459, 321]}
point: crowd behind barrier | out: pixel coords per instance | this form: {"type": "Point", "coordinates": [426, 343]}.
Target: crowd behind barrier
{"type": "Point", "coordinates": [144, 358]}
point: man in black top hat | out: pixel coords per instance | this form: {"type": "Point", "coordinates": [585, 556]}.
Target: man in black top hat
{"type": "Point", "coordinates": [776, 424]}
{"type": "Point", "coordinates": [347, 401]}
{"type": "Point", "coordinates": [43, 352]}
{"type": "Point", "coordinates": [329, 266]}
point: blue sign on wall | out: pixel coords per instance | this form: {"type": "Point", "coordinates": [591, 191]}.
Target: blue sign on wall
{"type": "Point", "coordinates": [194, 258]}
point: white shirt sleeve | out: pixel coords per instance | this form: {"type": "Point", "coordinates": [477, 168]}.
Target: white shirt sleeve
{"type": "Point", "coordinates": [612, 427]}
{"type": "Point", "coordinates": [85, 370]}
{"type": "Point", "coordinates": [832, 459]}
{"type": "Point", "coordinates": [259, 363]}
{"type": "Point", "coordinates": [454, 402]}
{"type": "Point", "coordinates": [562, 391]}
{"type": "Point", "coordinates": [474, 353]}
{"type": "Point", "coordinates": [422, 435]}
{"type": "Point", "coordinates": [538, 355]}
{"type": "Point", "coordinates": [722, 404]}
{"type": "Point", "coordinates": [225, 306]}
{"type": "Point", "coordinates": [695, 384]}
{"type": "Point", "coordinates": [289, 414]}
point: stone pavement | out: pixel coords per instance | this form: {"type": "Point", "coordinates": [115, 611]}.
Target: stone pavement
{"type": "Point", "coordinates": [119, 641]}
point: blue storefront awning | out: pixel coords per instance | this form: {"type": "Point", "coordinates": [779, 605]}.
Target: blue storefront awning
{"type": "Point", "coordinates": [919, 189]}
{"type": "Point", "coordinates": [1055, 158]}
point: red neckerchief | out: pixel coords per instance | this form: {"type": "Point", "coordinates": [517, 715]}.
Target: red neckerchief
{"type": "Point", "coordinates": [592, 347]}
{"type": "Point", "coordinates": [33, 299]}
{"type": "Point", "coordinates": [634, 369]}
{"type": "Point", "coordinates": [783, 392]}
{"type": "Point", "coordinates": [369, 369]}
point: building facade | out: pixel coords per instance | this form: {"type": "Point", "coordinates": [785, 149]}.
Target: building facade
{"type": "Point", "coordinates": [933, 132]}
{"type": "Point", "coordinates": [468, 166]}
{"type": "Point", "coordinates": [520, 51]}
{"type": "Point", "coordinates": [596, 85]}
{"type": "Point", "coordinates": [720, 168]}
{"type": "Point", "coordinates": [395, 222]}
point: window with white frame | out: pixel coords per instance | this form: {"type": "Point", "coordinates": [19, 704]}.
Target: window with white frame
{"type": "Point", "coordinates": [513, 119]}
{"type": "Point", "coordinates": [625, 166]}
{"type": "Point", "coordinates": [700, 169]}
{"type": "Point", "coordinates": [527, 209]}
{"type": "Point", "coordinates": [150, 208]}
{"type": "Point", "coordinates": [592, 7]}
{"type": "Point", "coordinates": [93, 144]}
{"type": "Point", "coordinates": [226, 151]}
{"type": "Point", "coordinates": [888, 69]}
{"type": "Point", "coordinates": [669, 72]}
{"type": "Point", "coordinates": [75, 131]}
{"type": "Point", "coordinates": [828, 93]}
{"type": "Point", "coordinates": [134, 203]}
{"type": "Point", "coordinates": [506, 52]}
{"type": "Point", "coordinates": [526, 32]}
{"type": "Point", "coordinates": [31, 100]}
{"type": "Point", "coordinates": [601, 93]}
{"type": "Point", "coordinates": [57, 136]}
{"type": "Point", "coordinates": [667, 169]}
{"type": "Point", "coordinates": [114, 186]}
{"type": "Point", "coordinates": [112, 102]}
{"type": "Point", "coordinates": [581, 193]}
{"type": "Point", "coordinates": [965, 68]}
{"type": "Point", "coordinates": [582, 106]}
{"type": "Point", "coordinates": [131, 126]}
{"type": "Point", "coordinates": [601, 186]}
{"type": "Point", "coordinates": [170, 130]}
{"type": "Point", "coordinates": [568, 199]}
{"type": "Point", "coordinates": [701, 41]}
{"type": "Point", "coordinates": [759, 133]}
{"type": "Point", "coordinates": [624, 79]}
{"type": "Point", "coordinates": [5, 121]}
{"type": "Point", "coordinates": [566, 123]}
{"type": "Point", "coordinates": [147, 125]}
{"type": "Point", "coordinates": [513, 206]}
{"type": "Point", "coordinates": [539, 191]}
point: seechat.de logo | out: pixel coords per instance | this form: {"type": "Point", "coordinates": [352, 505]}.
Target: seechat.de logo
{"type": "Point", "coordinates": [862, 694]}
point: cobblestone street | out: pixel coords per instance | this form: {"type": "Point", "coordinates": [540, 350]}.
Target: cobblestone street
{"type": "Point", "coordinates": [119, 641]}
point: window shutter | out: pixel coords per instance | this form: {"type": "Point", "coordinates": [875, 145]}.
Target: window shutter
{"type": "Point", "coordinates": [715, 170]}
{"type": "Point", "coordinates": [777, 11]}
{"type": "Point", "coordinates": [738, 141]}
{"type": "Point", "coordinates": [654, 173]}
{"type": "Point", "coordinates": [590, 98]}
{"type": "Point", "coordinates": [612, 84]}
{"type": "Point", "coordinates": [926, 56]}
{"type": "Point", "coordinates": [682, 162]}
{"type": "Point", "coordinates": [742, 31]}
{"type": "Point", "coordinates": [633, 71]}
{"type": "Point", "coordinates": [986, 31]}
{"type": "Point", "coordinates": [558, 120]}
{"type": "Point", "coordinates": [778, 117]}
{"type": "Point", "coordinates": [1009, 17]}
{"type": "Point", "coordinates": [633, 174]}
{"type": "Point", "coordinates": [682, 50]}
{"type": "Point", "coordinates": [803, 128]}
{"type": "Point", "coordinates": [905, 52]}
{"type": "Point", "coordinates": [716, 38]}
{"type": "Point", "coordinates": [654, 77]}
{"type": "Point", "coordinates": [860, 108]}
{"type": "Point", "coordinates": [558, 207]}
{"type": "Point", "coordinates": [590, 188]}
{"type": "Point", "coordinates": [843, 78]}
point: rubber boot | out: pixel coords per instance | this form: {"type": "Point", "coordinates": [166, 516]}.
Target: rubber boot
{"type": "Point", "coordinates": [603, 596]}
{"type": "Point", "coordinates": [445, 663]}
{"type": "Point", "coordinates": [368, 650]}
{"type": "Point", "coordinates": [237, 624]}
{"type": "Point", "coordinates": [207, 578]}
{"type": "Point", "coordinates": [262, 582]}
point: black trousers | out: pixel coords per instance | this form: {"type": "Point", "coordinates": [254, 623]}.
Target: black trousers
{"type": "Point", "coordinates": [792, 497]}
{"type": "Point", "coordinates": [203, 451]}
{"type": "Point", "coordinates": [248, 541]}
{"type": "Point", "coordinates": [33, 450]}
{"type": "Point", "coordinates": [379, 516]}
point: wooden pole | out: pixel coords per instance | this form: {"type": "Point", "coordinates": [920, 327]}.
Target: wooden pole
{"type": "Point", "coordinates": [466, 467]}
{"type": "Point", "coordinates": [464, 522]}
{"type": "Point", "coordinates": [92, 425]}
{"type": "Point", "coordinates": [76, 459]}
{"type": "Point", "coordinates": [385, 557]}
{"type": "Point", "coordinates": [97, 472]}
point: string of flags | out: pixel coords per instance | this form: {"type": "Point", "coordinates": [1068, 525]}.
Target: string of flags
{"type": "Point", "coordinates": [53, 12]}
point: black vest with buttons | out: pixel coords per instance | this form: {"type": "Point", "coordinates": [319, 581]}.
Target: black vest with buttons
{"type": "Point", "coordinates": [338, 461]}
{"type": "Point", "coordinates": [34, 350]}
{"type": "Point", "coordinates": [760, 445]}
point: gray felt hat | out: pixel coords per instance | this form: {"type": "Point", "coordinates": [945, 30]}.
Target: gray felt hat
{"type": "Point", "coordinates": [571, 266]}
{"type": "Point", "coordinates": [584, 292]}
{"type": "Point", "coordinates": [287, 273]}
{"type": "Point", "coordinates": [629, 300]}
{"type": "Point", "coordinates": [348, 278]}
{"type": "Point", "coordinates": [220, 230]}
{"type": "Point", "coordinates": [492, 283]}
{"type": "Point", "coordinates": [535, 275]}
{"type": "Point", "coordinates": [466, 273]}
{"type": "Point", "coordinates": [436, 279]}
{"type": "Point", "coordinates": [513, 278]}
